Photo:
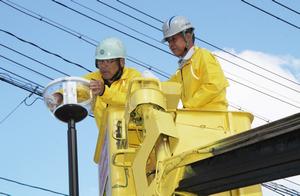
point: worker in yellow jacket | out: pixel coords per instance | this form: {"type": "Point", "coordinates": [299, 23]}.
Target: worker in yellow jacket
{"type": "Point", "coordinates": [110, 83]}
{"type": "Point", "coordinates": [203, 81]}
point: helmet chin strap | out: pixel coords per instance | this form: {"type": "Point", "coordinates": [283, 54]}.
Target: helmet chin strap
{"type": "Point", "coordinates": [187, 44]}
{"type": "Point", "coordinates": [115, 77]}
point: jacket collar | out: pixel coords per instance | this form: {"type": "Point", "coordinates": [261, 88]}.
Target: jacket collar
{"type": "Point", "coordinates": [187, 57]}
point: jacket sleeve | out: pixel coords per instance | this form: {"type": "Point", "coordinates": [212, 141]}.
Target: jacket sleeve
{"type": "Point", "coordinates": [117, 96]}
{"type": "Point", "coordinates": [212, 79]}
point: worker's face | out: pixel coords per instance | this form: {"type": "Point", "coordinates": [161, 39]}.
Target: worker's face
{"type": "Point", "coordinates": [109, 67]}
{"type": "Point", "coordinates": [177, 44]}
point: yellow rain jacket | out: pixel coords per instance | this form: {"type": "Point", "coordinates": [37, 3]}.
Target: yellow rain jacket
{"type": "Point", "coordinates": [203, 81]}
{"type": "Point", "coordinates": [114, 95]}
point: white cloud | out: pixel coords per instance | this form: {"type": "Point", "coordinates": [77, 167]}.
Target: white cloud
{"type": "Point", "coordinates": [266, 106]}
{"type": "Point", "coordinates": [259, 104]}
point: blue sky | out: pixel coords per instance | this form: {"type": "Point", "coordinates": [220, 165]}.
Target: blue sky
{"type": "Point", "coordinates": [33, 144]}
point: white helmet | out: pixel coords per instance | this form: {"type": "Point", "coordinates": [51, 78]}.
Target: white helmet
{"type": "Point", "coordinates": [110, 48]}
{"type": "Point", "coordinates": [174, 25]}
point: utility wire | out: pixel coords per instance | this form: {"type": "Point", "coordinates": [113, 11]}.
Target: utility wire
{"type": "Point", "coordinates": [291, 182]}
{"type": "Point", "coordinates": [54, 69]}
{"type": "Point", "coordinates": [281, 100]}
{"type": "Point", "coordinates": [150, 69]}
{"type": "Point", "coordinates": [10, 113]}
{"type": "Point", "coordinates": [249, 70]}
{"type": "Point", "coordinates": [245, 110]}
{"type": "Point", "coordinates": [268, 13]}
{"type": "Point", "coordinates": [6, 194]}
{"type": "Point", "coordinates": [23, 86]}
{"type": "Point", "coordinates": [206, 42]}
{"type": "Point", "coordinates": [116, 21]}
{"type": "Point", "coordinates": [267, 186]}
{"type": "Point", "coordinates": [128, 15]}
{"type": "Point", "coordinates": [111, 27]}
{"type": "Point", "coordinates": [30, 81]}
{"type": "Point", "coordinates": [47, 51]}
{"type": "Point", "coordinates": [166, 76]}
{"type": "Point", "coordinates": [286, 7]}
{"type": "Point", "coordinates": [32, 186]}
{"type": "Point", "coordinates": [25, 67]}
{"type": "Point", "coordinates": [46, 20]}
{"type": "Point", "coordinates": [168, 52]}
{"type": "Point", "coordinates": [79, 35]}
{"type": "Point", "coordinates": [265, 89]}
{"type": "Point", "coordinates": [283, 189]}
{"type": "Point", "coordinates": [127, 5]}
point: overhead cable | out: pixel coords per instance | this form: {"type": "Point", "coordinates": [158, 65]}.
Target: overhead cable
{"type": "Point", "coordinates": [139, 11]}
{"type": "Point", "coordinates": [268, 13]}
{"type": "Point", "coordinates": [79, 35]}
{"type": "Point", "coordinates": [281, 4]}
{"type": "Point", "coordinates": [163, 74]}
{"type": "Point", "coordinates": [25, 67]}
{"type": "Point", "coordinates": [298, 91]}
{"type": "Point", "coordinates": [30, 81]}
{"type": "Point", "coordinates": [45, 19]}
{"type": "Point", "coordinates": [245, 110]}
{"type": "Point", "coordinates": [278, 99]}
{"type": "Point", "coordinates": [111, 27]}
{"type": "Point", "coordinates": [116, 21]}
{"type": "Point", "coordinates": [32, 186]}
{"type": "Point", "coordinates": [265, 89]}
{"type": "Point", "coordinates": [47, 51]}
{"type": "Point", "coordinates": [6, 194]}
{"type": "Point", "coordinates": [169, 52]}
{"type": "Point", "coordinates": [291, 182]}
{"type": "Point", "coordinates": [24, 55]}
{"type": "Point", "coordinates": [15, 108]}
{"type": "Point", "coordinates": [25, 86]}
{"type": "Point", "coordinates": [206, 42]}
{"type": "Point", "coordinates": [281, 188]}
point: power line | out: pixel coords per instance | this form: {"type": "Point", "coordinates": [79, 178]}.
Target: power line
{"type": "Point", "coordinates": [28, 87]}
{"type": "Point", "coordinates": [298, 91]}
{"type": "Point", "coordinates": [140, 11]}
{"type": "Point", "coordinates": [30, 81]}
{"type": "Point", "coordinates": [254, 114]}
{"type": "Point", "coordinates": [32, 186]}
{"type": "Point", "coordinates": [281, 188]}
{"type": "Point", "coordinates": [170, 53]}
{"type": "Point", "coordinates": [206, 42]}
{"type": "Point", "coordinates": [286, 7]}
{"type": "Point", "coordinates": [47, 51]}
{"type": "Point", "coordinates": [167, 76]}
{"type": "Point", "coordinates": [25, 67]}
{"type": "Point", "coordinates": [111, 27]}
{"type": "Point", "coordinates": [268, 13]}
{"type": "Point", "coordinates": [92, 42]}
{"type": "Point", "coordinates": [116, 21]}
{"type": "Point", "coordinates": [292, 182]}
{"type": "Point", "coordinates": [54, 69]}
{"type": "Point", "coordinates": [278, 99]}
{"type": "Point", "coordinates": [46, 20]}
{"type": "Point", "coordinates": [250, 82]}
{"type": "Point", "coordinates": [128, 15]}
{"type": "Point", "coordinates": [6, 194]}
{"type": "Point", "coordinates": [10, 113]}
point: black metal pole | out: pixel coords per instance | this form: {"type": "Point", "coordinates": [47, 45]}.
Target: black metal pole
{"type": "Point", "coordinates": [72, 154]}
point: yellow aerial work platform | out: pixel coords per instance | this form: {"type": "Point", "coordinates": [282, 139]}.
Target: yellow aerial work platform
{"type": "Point", "coordinates": [149, 146]}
